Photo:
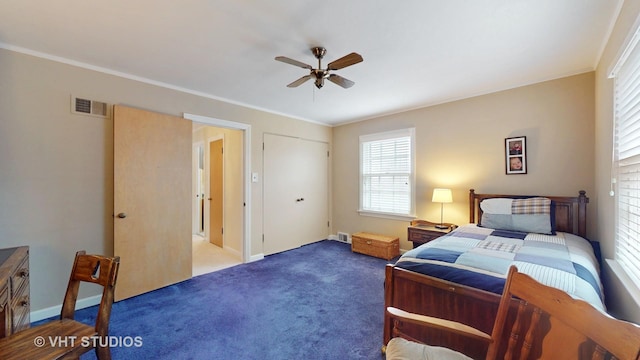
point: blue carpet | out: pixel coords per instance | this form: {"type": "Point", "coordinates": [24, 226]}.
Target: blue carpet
{"type": "Point", "coordinates": [320, 301]}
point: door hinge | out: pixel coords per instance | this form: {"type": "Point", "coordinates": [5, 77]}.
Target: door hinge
{"type": "Point", "coordinates": [222, 230]}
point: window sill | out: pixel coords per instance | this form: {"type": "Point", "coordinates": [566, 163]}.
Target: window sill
{"type": "Point", "coordinates": [629, 285]}
{"type": "Point", "coordinates": [386, 215]}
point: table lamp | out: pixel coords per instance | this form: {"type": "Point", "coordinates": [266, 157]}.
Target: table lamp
{"type": "Point", "coordinates": [442, 196]}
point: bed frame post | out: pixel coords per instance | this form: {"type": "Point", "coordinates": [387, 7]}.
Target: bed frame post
{"type": "Point", "coordinates": [582, 213]}
{"type": "Point", "coordinates": [472, 205]}
{"type": "Point", "coordinates": [388, 301]}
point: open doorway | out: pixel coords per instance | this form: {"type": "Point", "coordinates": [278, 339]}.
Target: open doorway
{"type": "Point", "coordinates": [218, 198]}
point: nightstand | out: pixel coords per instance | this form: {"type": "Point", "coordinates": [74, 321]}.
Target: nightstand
{"type": "Point", "coordinates": [422, 231]}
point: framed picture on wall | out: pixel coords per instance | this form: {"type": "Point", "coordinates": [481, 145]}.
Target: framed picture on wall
{"type": "Point", "coordinates": [515, 149]}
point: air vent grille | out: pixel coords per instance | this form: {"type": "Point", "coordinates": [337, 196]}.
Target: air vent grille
{"type": "Point", "coordinates": [89, 107]}
{"type": "Point", "coordinates": [83, 106]}
{"type": "Point", "coordinates": [344, 237]}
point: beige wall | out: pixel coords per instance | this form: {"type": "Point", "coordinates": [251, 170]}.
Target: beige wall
{"type": "Point", "coordinates": [460, 145]}
{"type": "Point", "coordinates": [619, 300]}
{"type": "Point", "coordinates": [56, 168]}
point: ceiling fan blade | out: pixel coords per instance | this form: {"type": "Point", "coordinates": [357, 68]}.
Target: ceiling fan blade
{"type": "Point", "coordinates": [339, 80]}
{"type": "Point", "coordinates": [345, 61]}
{"type": "Point", "coordinates": [287, 60]}
{"type": "Point", "coordinates": [300, 81]}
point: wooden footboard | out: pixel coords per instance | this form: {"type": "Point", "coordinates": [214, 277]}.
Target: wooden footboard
{"type": "Point", "coordinates": [426, 295]}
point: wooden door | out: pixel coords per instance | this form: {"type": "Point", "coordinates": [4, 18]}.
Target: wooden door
{"type": "Point", "coordinates": [216, 192]}
{"type": "Point", "coordinates": [152, 200]}
{"type": "Point", "coordinates": [296, 194]}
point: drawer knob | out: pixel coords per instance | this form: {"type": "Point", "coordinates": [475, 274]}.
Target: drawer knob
{"type": "Point", "coordinates": [369, 242]}
{"type": "Point", "coordinates": [24, 273]}
{"type": "Point", "coordinates": [24, 303]}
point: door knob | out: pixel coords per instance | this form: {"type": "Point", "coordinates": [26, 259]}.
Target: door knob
{"type": "Point", "coordinates": [122, 215]}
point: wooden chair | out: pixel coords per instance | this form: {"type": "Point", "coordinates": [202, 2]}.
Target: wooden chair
{"type": "Point", "coordinates": [548, 324]}
{"type": "Point", "coordinates": [66, 338]}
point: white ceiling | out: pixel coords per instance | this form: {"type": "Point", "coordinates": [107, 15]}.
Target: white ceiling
{"type": "Point", "coordinates": [416, 52]}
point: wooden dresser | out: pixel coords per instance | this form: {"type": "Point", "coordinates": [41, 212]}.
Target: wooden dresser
{"type": "Point", "coordinates": [14, 290]}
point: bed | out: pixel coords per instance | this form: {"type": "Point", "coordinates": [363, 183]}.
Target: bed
{"type": "Point", "coordinates": [460, 275]}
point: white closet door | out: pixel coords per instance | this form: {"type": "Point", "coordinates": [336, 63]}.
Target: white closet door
{"type": "Point", "coordinates": [296, 198]}
{"type": "Point", "coordinates": [315, 190]}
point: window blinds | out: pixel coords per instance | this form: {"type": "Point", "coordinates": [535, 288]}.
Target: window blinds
{"type": "Point", "coordinates": [386, 172]}
{"type": "Point", "coordinates": [627, 163]}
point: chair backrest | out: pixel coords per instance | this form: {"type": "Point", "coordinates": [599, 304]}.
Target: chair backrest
{"type": "Point", "coordinates": [97, 269]}
{"type": "Point", "coordinates": [550, 324]}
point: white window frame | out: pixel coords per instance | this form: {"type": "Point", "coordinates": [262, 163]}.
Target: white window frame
{"type": "Point", "coordinates": [626, 161]}
{"type": "Point", "coordinates": [389, 135]}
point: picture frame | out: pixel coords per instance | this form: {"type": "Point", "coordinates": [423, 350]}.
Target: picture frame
{"type": "Point", "coordinates": [515, 149]}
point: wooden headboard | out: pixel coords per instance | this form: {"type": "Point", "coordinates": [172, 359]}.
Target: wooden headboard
{"type": "Point", "coordinates": [570, 211]}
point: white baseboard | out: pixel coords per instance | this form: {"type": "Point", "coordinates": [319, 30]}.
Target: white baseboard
{"type": "Point", "coordinates": [256, 257]}
{"type": "Point", "coordinates": [55, 310]}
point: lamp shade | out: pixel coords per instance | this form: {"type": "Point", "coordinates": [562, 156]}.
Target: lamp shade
{"type": "Point", "coordinates": [442, 196]}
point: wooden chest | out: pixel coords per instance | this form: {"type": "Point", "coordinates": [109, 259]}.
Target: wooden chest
{"type": "Point", "coordinates": [385, 247]}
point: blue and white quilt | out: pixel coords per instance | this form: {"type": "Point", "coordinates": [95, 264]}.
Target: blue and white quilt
{"type": "Point", "coordinates": [480, 257]}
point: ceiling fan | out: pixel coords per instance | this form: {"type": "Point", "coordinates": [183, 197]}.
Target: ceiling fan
{"type": "Point", "coordinates": [320, 74]}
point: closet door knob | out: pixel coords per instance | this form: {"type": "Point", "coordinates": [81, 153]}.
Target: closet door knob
{"type": "Point", "coordinates": [122, 215]}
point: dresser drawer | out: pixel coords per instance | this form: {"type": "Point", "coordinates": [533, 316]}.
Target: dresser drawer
{"type": "Point", "coordinates": [20, 277]}
{"type": "Point", "coordinates": [20, 308]}
{"type": "Point", "coordinates": [423, 235]}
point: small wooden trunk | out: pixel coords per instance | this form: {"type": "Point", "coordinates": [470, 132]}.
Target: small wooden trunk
{"type": "Point", "coordinates": [385, 247]}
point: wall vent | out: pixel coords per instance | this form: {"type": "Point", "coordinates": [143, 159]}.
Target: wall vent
{"type": "Point", "coordinates": [343, 237]}
{"type": "Point", "coordinates": [89, 107]}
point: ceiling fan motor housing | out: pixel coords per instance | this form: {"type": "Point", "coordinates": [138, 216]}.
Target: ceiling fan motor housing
{"type": "Point", "coordinates": [320, 75]}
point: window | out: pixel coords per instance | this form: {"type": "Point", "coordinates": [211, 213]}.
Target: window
{"type": "Point", "coordinates": [387, 173]}
{"type": "Point", "coordinates": [626, 162]}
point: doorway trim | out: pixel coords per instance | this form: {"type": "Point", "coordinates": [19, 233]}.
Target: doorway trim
{"type": "Point", "coordinates": [197, 195]}
{"type": "Point", "coordinates": [246, 139]}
